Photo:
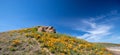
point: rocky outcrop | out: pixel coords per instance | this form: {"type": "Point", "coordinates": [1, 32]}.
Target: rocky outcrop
{"type": "Point", "coordinates": [49, 29]}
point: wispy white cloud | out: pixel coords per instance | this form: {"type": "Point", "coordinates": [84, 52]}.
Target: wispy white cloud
{"type": "Point", "coordinates": [98, 27]}
{"type": "Point", "coordinates": [94, 31]}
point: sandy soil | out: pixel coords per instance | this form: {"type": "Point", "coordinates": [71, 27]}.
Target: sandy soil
{"type": "Point", "coordinates": [114, 50]}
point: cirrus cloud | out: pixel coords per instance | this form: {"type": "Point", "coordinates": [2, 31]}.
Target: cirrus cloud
{"type": "Point", "coordinates": [94, 31]}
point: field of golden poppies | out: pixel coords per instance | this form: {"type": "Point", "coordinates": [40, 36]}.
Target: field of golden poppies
{"type": "Point", "coordinates": [30, 42]}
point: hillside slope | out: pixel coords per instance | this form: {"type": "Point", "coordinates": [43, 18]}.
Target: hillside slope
{"type": "Point", "coordinates": [109, 44]}
{"type": "Point", "coordinates": [30, 42]}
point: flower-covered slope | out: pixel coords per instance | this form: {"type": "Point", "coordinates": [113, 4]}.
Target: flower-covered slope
{"type": "Point", "coordinates": [30, 42]}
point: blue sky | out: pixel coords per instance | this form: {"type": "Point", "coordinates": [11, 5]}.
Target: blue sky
{"type": "Point", "coordinates": [93, 20]}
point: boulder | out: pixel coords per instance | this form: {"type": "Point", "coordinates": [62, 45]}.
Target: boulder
{"type": "Point", "coordinates": [49, 29]}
